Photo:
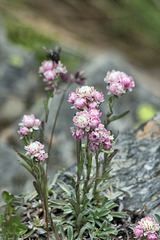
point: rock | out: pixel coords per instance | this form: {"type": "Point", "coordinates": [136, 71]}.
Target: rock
{"type": "Point", "coordinates": [11, 109]}
{"type": "Point", "coordinates": [18, 80]}
{"type": "Point", "coordinates": [136, 166]}
{"type": "Point", "coordinates": [13, 177]}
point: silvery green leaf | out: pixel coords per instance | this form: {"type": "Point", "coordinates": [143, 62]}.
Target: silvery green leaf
{"type": "Point", "coordinates": [118, 214]}
{"type": "Point", "coordinates": [110, 205]}
{"type": "Point", "coordinates": [157, 218]}
{"type": "Point", "coordinates": [70, 233]}
{"type": "Point", "coordinates": [114, 118]}
{"type": "Point", "coordinates": [29, 169]}
{"type": "Point", "coordinates": [64, 187]}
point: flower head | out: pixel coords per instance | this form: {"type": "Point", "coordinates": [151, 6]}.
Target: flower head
{"type": "Point", "coordinates": [118, 82]}
{"type": "Point", "coordinates": [147, 228]}
{"type": "Point", "coordinates": [81, 119]}
{"type": "Point", "coordinates": [93, 147]}
{"type": "Point", "coordinates": [85, 91]}
{"type": "Point", "coordinates": [52, 71]}
{"type": "Point", "coordinates": [80, 103]}
{"type": "Point", "coordinates": [23, 131]}
{"type": "Point", "coordinates": [85, 98]}
{"type": "Point", "coordinates": [35, 150]}
{"type": "Point", "coordinates": [78, 133]}
{"type": "Point", "coordinates": [138, 231]}
{"type": "Point", "coordinates": [29, 124]}
{"type": "Point", "coordinates": [42, 156]}
{"type": "Point", "coordinates": [152, 236]}
{"type": "Point", "coordinates": [94, 122]}
{"type": "Point", "coordinates": [46, 65]}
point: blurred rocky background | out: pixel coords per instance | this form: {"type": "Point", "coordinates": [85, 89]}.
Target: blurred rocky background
{"type": "Point", "coordinates": [95, 36]}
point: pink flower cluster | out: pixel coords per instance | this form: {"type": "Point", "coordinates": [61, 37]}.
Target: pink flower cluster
{"type": "Point", "coordinates": [87, 121]}
{"type": "Point", "coordinates": [147, 227]}
{"type": "Point", "coordinates": [35, 150]}
{"type": "Point", "coordinates": [118, 82]}
{"type": "Point", "coordinates": [29, 124]}
{"type": "Point", "coordinates": [51, 70]}
{"type": "Point", "coordinates": [85, 98]}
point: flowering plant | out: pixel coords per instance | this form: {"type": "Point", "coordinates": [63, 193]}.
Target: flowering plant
{"type": "Point", "coordinates": [85, 207]}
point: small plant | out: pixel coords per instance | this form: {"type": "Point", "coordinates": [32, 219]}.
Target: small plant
{"type": "Point", "coordinates": [85, 207]}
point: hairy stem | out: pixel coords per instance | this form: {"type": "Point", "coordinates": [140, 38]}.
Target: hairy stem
{"type": "Point", "coordinates": [78, 146]}
{"type": "Point", "coordinates": [97, 173]}
{"type": "Point", "coordinates": [107, 159]}
{"type": "Point", "coordinates": [87, 162]}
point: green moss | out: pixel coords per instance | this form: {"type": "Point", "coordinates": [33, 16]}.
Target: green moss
{"type": "Point", "coordinates": [145, 111]}
{"type": "Point", "coordinates": [33, 41]}
{"type": "Point", "coordinates": [15, 60]}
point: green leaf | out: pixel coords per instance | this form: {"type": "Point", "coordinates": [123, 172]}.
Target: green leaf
{"type": "Point", "coordinates": [58, 202]}
{"type": "Point", "coordinates": [65, 188]}
{"type": "Point", "coordinates": [80, 167]}
{"type": "Point", "coordinates": [7, 197]}
{"type": "Point", "coordinates": [157, 218]}
{"type": "Point", "coordinates": [118, 214]}
{"type": "Point", "coordinates": [105, 200]}
{"type": "Point", "coordinates": [103, 213]}
{"type": "Point", "coordinates": [105, 151]}
{"type": "Point", "coordinates": [62, 231]}
{"type": "Point", "coordinates": [1, 219]}
{"type": "Point", "coordinates": [79, 220]}
{"type": "Point", "coordinates": [110, 205]}
{"type": "Point", "coordinates": [29, 169]}
{"type": "Point", "coordinates": [14, 226]}
{"type": "Point", "coordinates": [108, 231]}
{"type": "Point", "coordinates": [27, 235]}
{"type": "Point", "coordinates": [70, 233]}
{"type": "Point", "coordinates": [10, 209]}
{"type": "Point", "coordinates": [111, 101]}
{"type": "Point", "coordinates": [114, 118]}
{"type": "Point", "coordinates": [24, 157]}
{"type": "Point", "coordinates": [104, 225]}
{"type": "Point", "coordinates": [87, 226]}
{"type": "Point", "coordinates": [74, 205]}
{"type": "Point", "coordinates": [35, 184]}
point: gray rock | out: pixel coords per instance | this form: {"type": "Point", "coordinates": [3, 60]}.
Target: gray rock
{"type": "Point", "coordinates": [18, 79]}
{"type": "Point", "coordinates": [136, 166]}
{"type": "Point", "coordinates": [13, 177]}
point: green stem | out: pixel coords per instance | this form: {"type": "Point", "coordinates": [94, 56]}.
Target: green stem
{"type": "Point", "coordinates": [78, 150]}
{"type": "Point", "coordinates": [105, 163]}
{"type": "Point", "coordinates": [107, 159]}
{"type": "Point", "coordinates": [87, 162]}
{"type": "Point", "coordinates": [42, 192]}
{"type": "Point", "coordinates": [97, 173]}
